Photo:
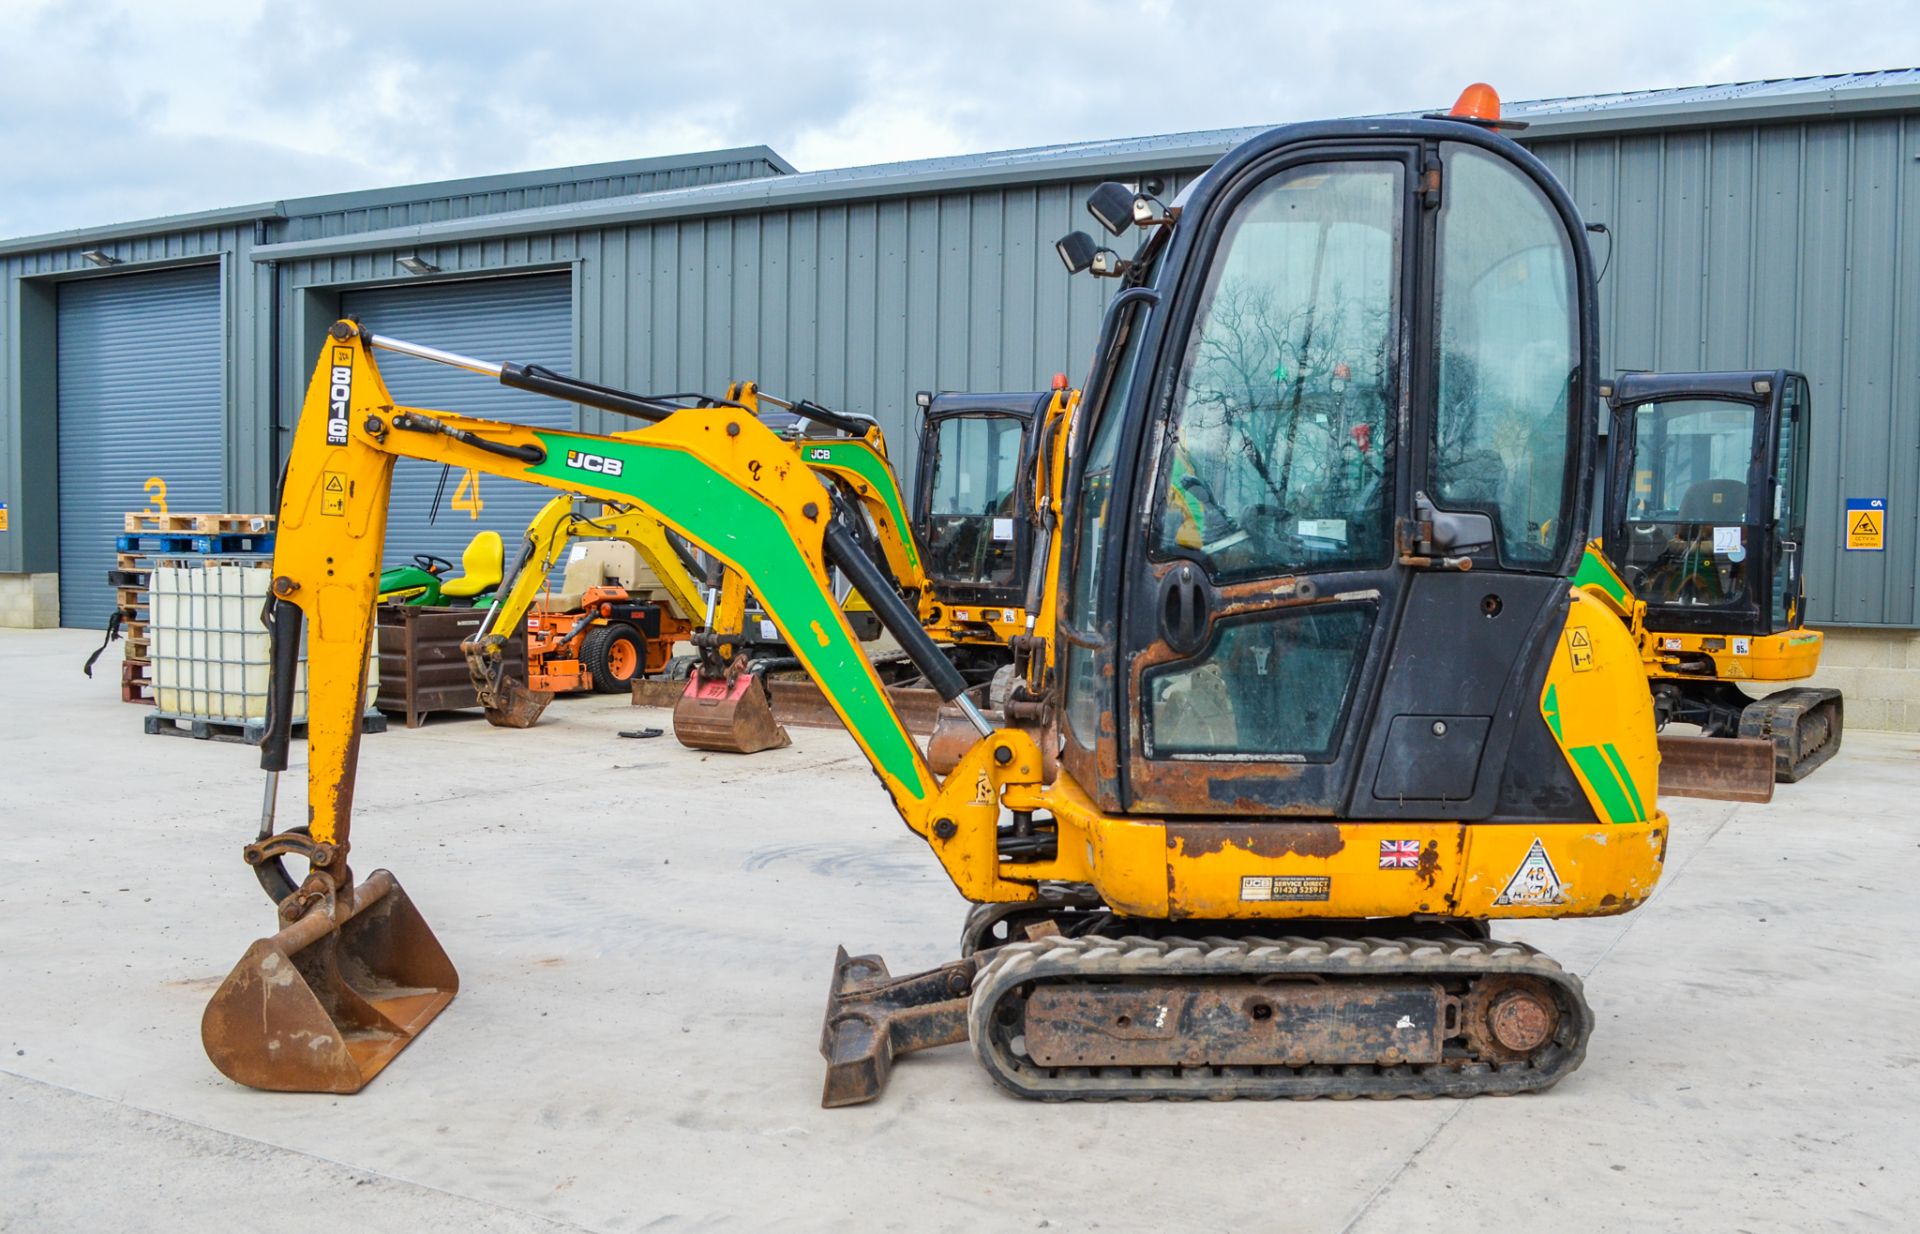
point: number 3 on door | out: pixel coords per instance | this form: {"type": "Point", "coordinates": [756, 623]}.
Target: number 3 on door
{"type": "Point", "coordinates": [158, 488]}
{"type": "Point", "coordinates": [467, 495]}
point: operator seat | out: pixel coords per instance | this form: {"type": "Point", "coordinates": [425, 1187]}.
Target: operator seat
{"type": "Point", "coordinates": [482, 566]}
{"type": "Point", "coordinates": [1714, 501]}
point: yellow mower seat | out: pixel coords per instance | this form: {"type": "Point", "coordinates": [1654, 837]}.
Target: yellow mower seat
{"type": "Point", "coordinates": [482, 567]}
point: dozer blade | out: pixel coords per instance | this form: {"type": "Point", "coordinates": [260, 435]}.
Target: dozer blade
{"type": "Point", "coordinates": [727, 713]}
{"type": "Point", "coordinates": [1718, 768]}
{"type": "Point", "coordinates": [801, 704]}
{"type": "Point", "coordinates": [516, 706]}
{"type": "Point", "coordinates": [1804, 725]}
{"type": "Point", "coordinates": [327, 1002]}
{"type": "Point", "coordinates": [873, 1017]}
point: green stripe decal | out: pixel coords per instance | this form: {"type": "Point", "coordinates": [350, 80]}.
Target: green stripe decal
{"type": "Point", "coordinates": [1620, 769]}
{"type": "Point", "coordinates": [1595, 770]}
{"type": "Point", "coordinates": [714, 512]}
{"type": "Point", "coordinates": [1550, 707]}
{"type": "Point", "coordinates": [858, 457]}
{"type": "Point", "coordinates": [1595, 572]}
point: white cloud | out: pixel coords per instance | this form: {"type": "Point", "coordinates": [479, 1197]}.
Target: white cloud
{"type": "Point", "coordinates": [119, 110]}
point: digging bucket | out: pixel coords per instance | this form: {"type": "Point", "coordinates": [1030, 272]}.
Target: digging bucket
{"type": "Point", "coordinates": [327, 1002]}
{"type": "Point", "coordinates": [729, 713]}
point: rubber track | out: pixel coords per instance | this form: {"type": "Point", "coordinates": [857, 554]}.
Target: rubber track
{"type": "Point", "coordinates": [1016, 964]}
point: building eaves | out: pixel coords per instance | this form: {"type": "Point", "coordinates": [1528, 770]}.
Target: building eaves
{"type": "Point", "coordinates": [226, 216]}
{"type": "Point", "coordinates": [1692, 106]}
{"type": "Point", "coordinates": [363, 199]}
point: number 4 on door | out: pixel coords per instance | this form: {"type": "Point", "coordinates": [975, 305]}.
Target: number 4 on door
{"type": "Point", "coordinates": [467, 495]}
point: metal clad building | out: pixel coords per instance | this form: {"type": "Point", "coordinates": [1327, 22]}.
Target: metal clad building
{"type": "Point", "coordinates": [1755, 225]}
{"type": "Point", "coordinates": [253, 344]}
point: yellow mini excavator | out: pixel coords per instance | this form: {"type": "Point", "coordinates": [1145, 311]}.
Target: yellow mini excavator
{"type": "Point", "coordinates": [1700, 552]}
{"type": "Point", "coordinates": [1310, 700]}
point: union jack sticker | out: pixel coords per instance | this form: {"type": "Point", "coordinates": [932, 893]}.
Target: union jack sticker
{"type": "Point", "coordinates": [1399, 854]}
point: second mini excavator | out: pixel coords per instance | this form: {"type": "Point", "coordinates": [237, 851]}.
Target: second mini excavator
{"type": "Point", "coordinates": [1702, 528]}
{"type": "Point", "coordinates": [596, 636]}
{"type": "Point", "coordinates": [1266, 778]}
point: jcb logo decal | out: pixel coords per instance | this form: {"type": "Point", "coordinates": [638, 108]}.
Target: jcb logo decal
{"type": "Point", "coordinates": [820, 454]}
{"type": "Point", "coordinates": [600, 464]}
{"type": "Point", "coordinates": [339, 394]}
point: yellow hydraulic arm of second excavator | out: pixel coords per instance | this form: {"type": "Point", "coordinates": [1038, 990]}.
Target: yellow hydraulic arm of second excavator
{"type": "Point", "coordinates": [509, 703]}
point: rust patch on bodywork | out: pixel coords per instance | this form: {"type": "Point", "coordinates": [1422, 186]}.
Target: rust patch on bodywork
{"type": "Point", "coordinates": [1429, 861]}
{"type": "Point", "coordinates": [1260, 839]}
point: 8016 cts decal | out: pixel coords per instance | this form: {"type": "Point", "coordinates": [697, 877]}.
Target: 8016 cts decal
{"type": "Point", "coordinates": [339, 395]}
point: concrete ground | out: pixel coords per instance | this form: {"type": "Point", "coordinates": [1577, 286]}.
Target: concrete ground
{"type": "Point", "coordinates": [644, 937]}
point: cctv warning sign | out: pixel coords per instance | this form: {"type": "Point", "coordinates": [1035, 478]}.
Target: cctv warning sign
{"type": "Point", "coordinates": [1866, 524]}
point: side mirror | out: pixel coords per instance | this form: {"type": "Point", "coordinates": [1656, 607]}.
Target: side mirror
{"type": "Point", "coordinates": [1111, 205]}
{"type": "Point", "coordinates": [1076, 251]}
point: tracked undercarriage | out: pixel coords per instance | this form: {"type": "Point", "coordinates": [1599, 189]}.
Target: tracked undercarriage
{"type": "Point", "coordinates": [1803, 723]}
{"type": "Point", "coordinates": [1405, 1009]}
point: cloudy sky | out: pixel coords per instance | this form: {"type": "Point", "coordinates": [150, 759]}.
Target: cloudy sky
{"type": "Point", "coordinates": [123, 110]}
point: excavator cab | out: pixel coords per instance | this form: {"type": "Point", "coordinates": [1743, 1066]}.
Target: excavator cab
{"type": "Point", "coordinates": [1330, 469]}
{"type": "Point", "coordinates": [1704, 517]}
{"type": "Point", "coordinates": [1706, 507]}
{"type": "Point", "coordinates": [969, 512]}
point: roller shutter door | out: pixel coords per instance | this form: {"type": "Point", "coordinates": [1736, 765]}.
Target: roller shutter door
{"type": "Point", "coordinates": [528, 320]}
{"type": "Point", "coordinates": [141, 417]}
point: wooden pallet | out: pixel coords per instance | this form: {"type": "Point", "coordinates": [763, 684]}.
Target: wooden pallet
{"type": "Point", "coordinates": [209, 524]}
{"type": "Point", "coordinates": [248, 731]}
{"type": "Point", "coordinates": [180, 543]}
{"type": "Point", "coordinates": [136, 682]}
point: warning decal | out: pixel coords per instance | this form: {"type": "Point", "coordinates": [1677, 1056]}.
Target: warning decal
{"type": "Point", "coordinates": [1535, 882]}
{"type": "Point", "coordinates": [1579, 649]}
{"type": "Point", "coordinates": [3, 516]}
{"type": "Point", "coordinates": [1866, 524]}
{"type": "Point", "coordinates": [333, 492]}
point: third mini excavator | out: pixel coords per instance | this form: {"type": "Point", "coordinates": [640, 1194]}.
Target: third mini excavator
{"type": "Point", "coordinates": [1310, 701]}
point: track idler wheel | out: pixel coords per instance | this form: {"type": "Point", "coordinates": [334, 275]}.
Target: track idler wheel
{"type": "Point", "coordinates": [1508, 1018]}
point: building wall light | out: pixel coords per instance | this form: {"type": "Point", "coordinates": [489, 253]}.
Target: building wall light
{"type": "Point", "coordinates": [98, 258]}
{"type": "Point", "coordinates": [418, 265]}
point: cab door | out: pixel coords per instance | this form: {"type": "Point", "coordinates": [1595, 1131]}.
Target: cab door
{"type": "Point", "coordinates": [1788, 485]}
{"type": "Point", "coordinates": [1380, 349]}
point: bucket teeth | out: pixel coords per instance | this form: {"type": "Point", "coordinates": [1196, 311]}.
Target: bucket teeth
{"type": "Point", "coordinates": [729, 713]}
{"type": "Point", "coordinates": [327, 1002]}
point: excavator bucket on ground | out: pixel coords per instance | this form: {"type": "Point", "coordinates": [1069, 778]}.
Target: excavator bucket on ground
{"type": "Point", "coordinates": [510, 704]}
{"type": "Point", "coordinates": [1720, 768]}
{"type": "Point", "coordinates": [334, 997]}
{"type": "Point", "coordinates": [727, 712]}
